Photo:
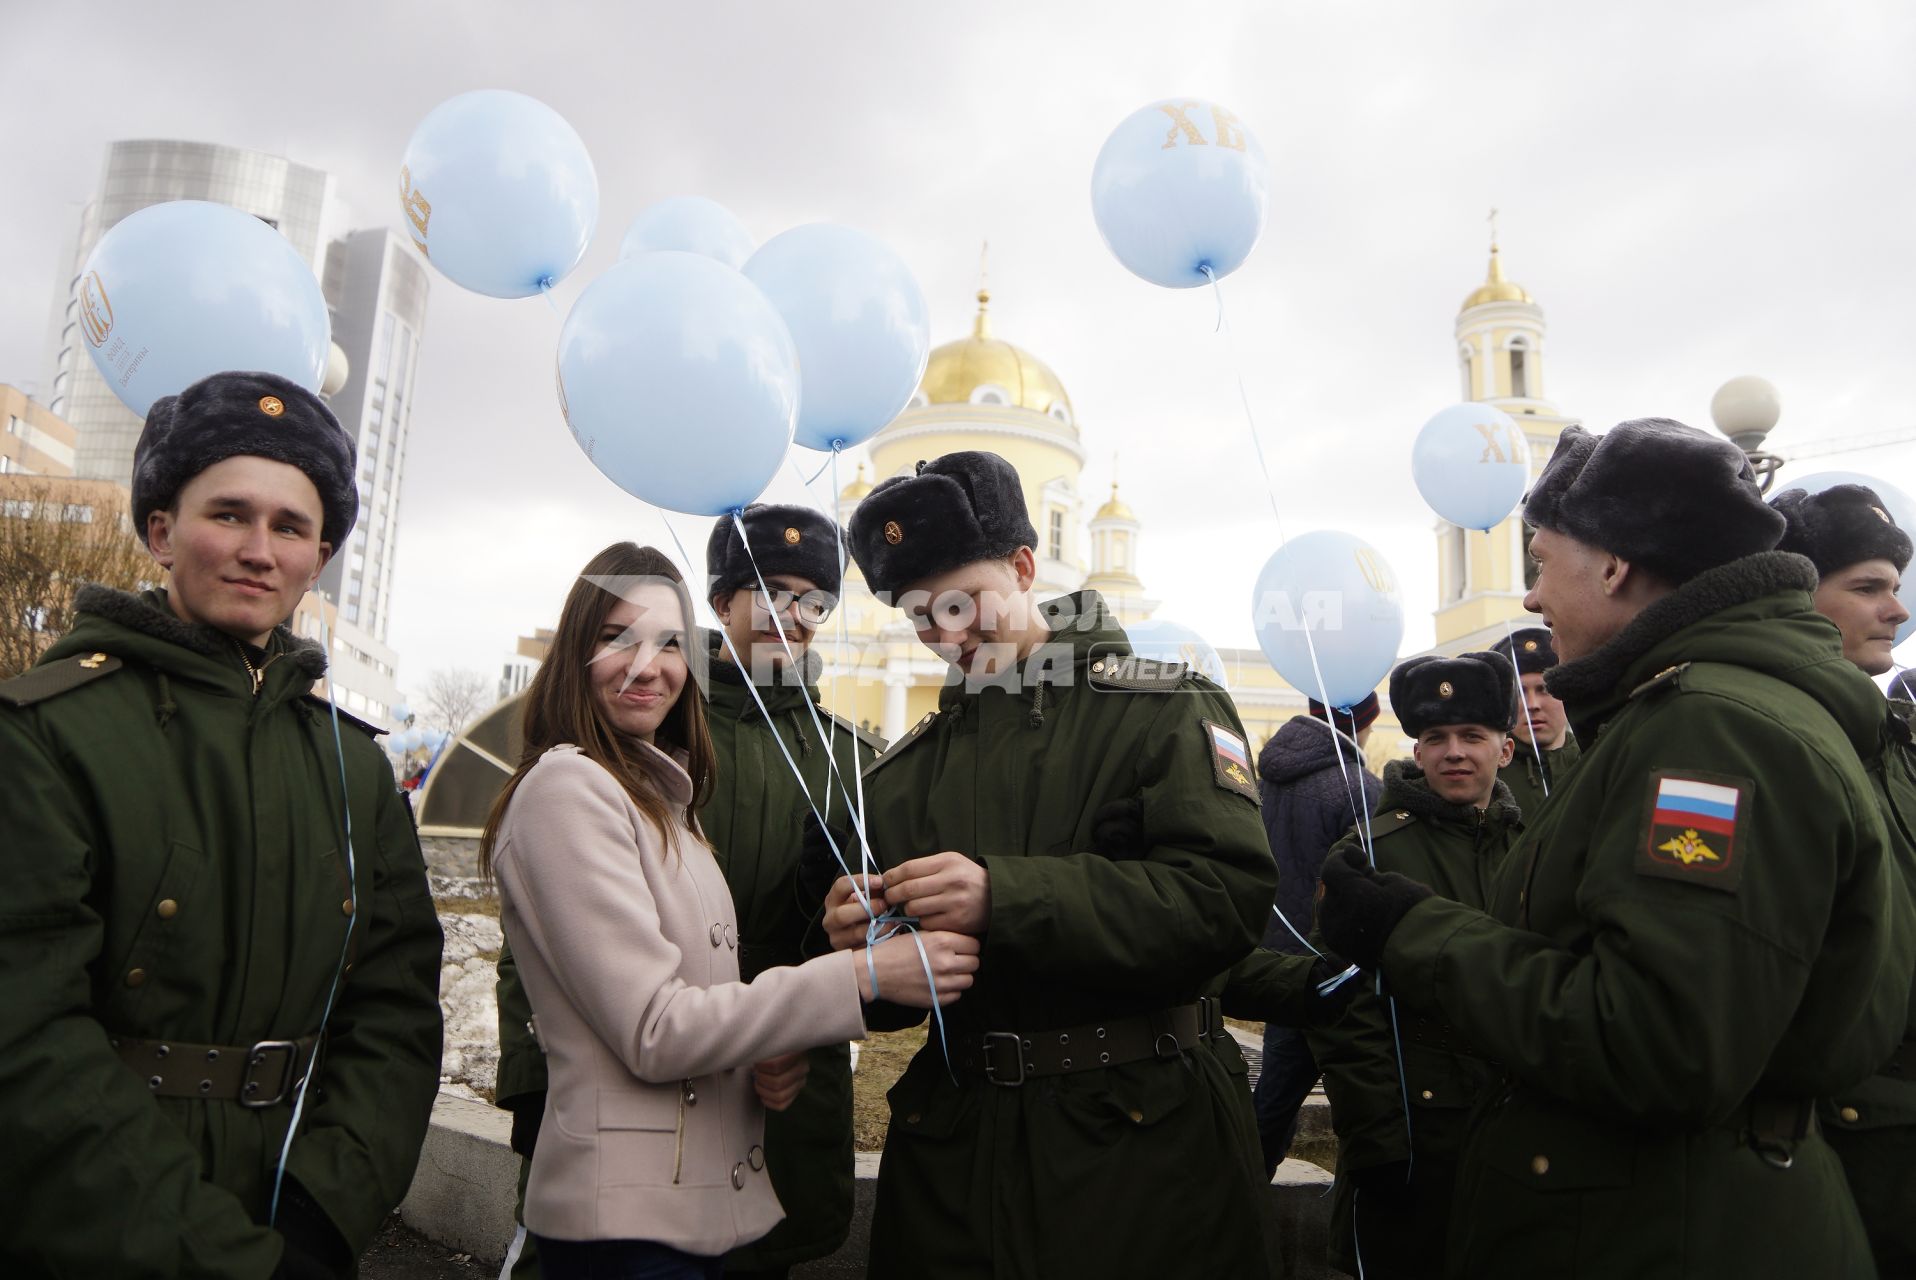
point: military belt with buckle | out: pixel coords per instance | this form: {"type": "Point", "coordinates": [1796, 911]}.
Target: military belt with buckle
{"type": "Point", "coordinates": [262, 1074]}
{"type": "Point", "coordinates": [1010, 1058]}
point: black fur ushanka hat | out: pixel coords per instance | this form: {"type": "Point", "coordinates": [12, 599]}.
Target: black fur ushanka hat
{"type": "Point", "coordinates": [1843, 525]}
{"type": "Point", "coordinates": [783, 539]}
{"type": "Point", "coordinates": [1531, 650]}
{"type": "Point", "coordinates": [1471, 688]}
{"type": "Point", "coordinates": [226, 415]}
{"type": "Point", "coordinates": [1657, 493]}
{"type": "Point", "coordinates": [954, 510]}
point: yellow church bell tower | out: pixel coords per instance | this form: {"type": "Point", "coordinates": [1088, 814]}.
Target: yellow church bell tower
{"type": "Point", "coordinates": [1481, 578]}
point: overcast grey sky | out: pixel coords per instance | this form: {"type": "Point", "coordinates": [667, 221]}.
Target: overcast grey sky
{"type": "Point", "coordinates": [1691, 192]}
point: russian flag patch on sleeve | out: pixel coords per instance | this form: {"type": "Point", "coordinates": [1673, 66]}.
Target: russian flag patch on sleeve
{"type": "Point", "coordinates": [1231, 761]}
{"type": "Point", "coordinates": [1692, 828]}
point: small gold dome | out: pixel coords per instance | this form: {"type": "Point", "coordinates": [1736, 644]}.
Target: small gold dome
{"type": "Point", "coordinates": [1495, 288]}
{"type": "Point", "coordinates": [858, 488]}
{"type": "Point", "coordinates": [957, 369]}
{"type": "Point", "coordinates": [1114, 509]}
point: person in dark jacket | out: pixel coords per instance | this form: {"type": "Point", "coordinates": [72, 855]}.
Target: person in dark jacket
{"type": "Point", "coordinates": [212, 901]}
{"type": "Point", "coordinates": [1666, 978]}
{"type": "Point", "coordinates": [1402, 1087]}
{"type": "Point", "coordinates": [1309, 802]}
{"type": "Point", "coordinates": [1545, 746]}
{"type": "Point", "coordinates": [1860, 556]}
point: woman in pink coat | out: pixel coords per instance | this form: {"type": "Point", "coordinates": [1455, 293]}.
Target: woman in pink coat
{"type": "Point", "coordinates": [660, 1059]}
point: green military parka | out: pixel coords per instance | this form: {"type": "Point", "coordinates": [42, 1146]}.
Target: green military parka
{"type": "Point", "coordinates": [1149, 1168]}
{"type": "Point", "coordinates": [1531, 780]}
{"type": "Point", "coordinates": [1873, 1125]}
{"type": "Point", "coordinates": [1699, 933]}
{"type": "Point", "coordinates": [1417, 1116]}
{"type": "Point", "coordinates": [175, 869]}
{"type": "Point", "coordinates": [755, 823]}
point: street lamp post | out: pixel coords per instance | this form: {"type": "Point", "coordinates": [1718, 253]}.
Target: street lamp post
{"type": "Point", "coordinates": [1746, 409]}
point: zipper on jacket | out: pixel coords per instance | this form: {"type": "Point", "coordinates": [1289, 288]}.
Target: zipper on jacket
{"type": "Point", "coordinates": [257, 673]}
{"type": "Point", "coordinates": [687, 1097]}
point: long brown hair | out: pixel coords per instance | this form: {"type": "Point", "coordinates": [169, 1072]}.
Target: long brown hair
{"type": "Point", "coordinates": [561, 707]}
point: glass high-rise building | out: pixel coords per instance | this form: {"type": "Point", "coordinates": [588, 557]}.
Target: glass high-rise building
{"type": "Point", "coordinates": [292, 198]}
{"type": "Point", "coordinates": [376, 287]}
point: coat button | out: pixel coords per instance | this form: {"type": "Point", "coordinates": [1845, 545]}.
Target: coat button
{"type": "Point", "coordinates": [913, 1118]}
{"type": "Point", "coordinates": [1428, 1095]}
{"type": "Point", "coordinates": [755, 1157]}
{"type": "Point", "coordinates": [1137, 1116]}
{"type": "Point", "coordinates": [167, 909]}
{"type": "Point", "coordinates": [1850, 1115]}
{"type": "Point", "coordinates": [731, 937]}
{"type": "Point", "coordinates": [738, 1177]}
{"type": "Point", "coordinates": [718, 935]}
{"type": "Point", "coordinates": [1540, 1165]}
{"type": "Point", "coordinates": [346, 907]}
{"type": "Point", "coordinates": [135, 977]}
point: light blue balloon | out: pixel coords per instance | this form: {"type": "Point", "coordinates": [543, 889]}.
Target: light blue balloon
{"type": "Point", "coordinates": [1901, 508]}
{"type": "Point", "coordinates": [1164, 640]}
{"type": "Point", "coordinates": [1335, 592]}
{"type": "Point", "coordinates": [1179, 186]}
{"type": "Point", "coordinates": [498, 191]}
{"type": "Point", "coordinates": [680, 382]}
{"type": "Point", "coordinates": [692, 224]}
{"type": "Point", "coordinates": [859, 319]}
{"type": "Point", "coordinates": [1471, 462]}
{"type": "Point", "coordinates": [181, 290]}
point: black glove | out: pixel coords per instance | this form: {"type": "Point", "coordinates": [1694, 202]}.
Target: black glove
{"type": "Point", "coordinates": [314, 1248]}
{"type": "Point", "coordinates": [1360, 906]}
{"type": "Point", "coordinates": [1117, 831]}
{"type": "Point", "coordinates": [1329, 1005]}
{"type": "Point", "coordinates": [528, 1111]}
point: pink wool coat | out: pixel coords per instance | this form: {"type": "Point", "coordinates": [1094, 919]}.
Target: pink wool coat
{"type": "Point", "coordinates": [629, 951]}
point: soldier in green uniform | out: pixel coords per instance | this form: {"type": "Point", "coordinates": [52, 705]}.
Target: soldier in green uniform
{"type": "Point", "coordinates": [211, 890]}
{"type": "Point", "coordinates": [1702, 932]}
{"type": "Point", "coordinates": [1860, 556]}
{"type": "Point", "coordinates": [754, 821]}
{"type": "Point", "coordinates": [1446, 820]}
{"type": "Point", "coordinates": [1545, 745]}
{"type": "Point", "coordinates": [1084, 1113]}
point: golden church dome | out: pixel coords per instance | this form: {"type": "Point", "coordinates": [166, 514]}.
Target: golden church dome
{"type": "Point", "coordinates": [1495, 288]}
{"type": "Point", "coordinates": [971, 369]}
{"type": "Point", "coordinates": [1114, 509]}
{"type": "Point", "coordinates": [858, 488]}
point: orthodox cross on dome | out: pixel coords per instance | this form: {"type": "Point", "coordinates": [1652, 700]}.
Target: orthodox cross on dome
{"type": "Point", "coordinates": [1493, 228]}
{"type": "Point", "coordinates": [981, 328]}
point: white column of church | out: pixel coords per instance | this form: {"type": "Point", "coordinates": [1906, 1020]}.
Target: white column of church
{"type": "Point", "coordinates": [896, 683]}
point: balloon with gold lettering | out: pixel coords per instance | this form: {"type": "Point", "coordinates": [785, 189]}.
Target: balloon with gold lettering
{"type": "Point", "coordinates": [1472, 463]}
{"type": "Point", "coordinates": [1329, 616]}
{"type": "Point", "coordinates": [861, 325]}
{"type": "Point", "coordinates": [680, 382]}
{"type": "Point", "coordinates": [180, 290]}
{"type": "Point", "coordinates": [1180, 190]}
{"type": "Point", "coordinates": [1898, 506]}
{"type": "Point", "coordinates": [497, 190]}
{"type": "Point", "coordinates": [692, 224]}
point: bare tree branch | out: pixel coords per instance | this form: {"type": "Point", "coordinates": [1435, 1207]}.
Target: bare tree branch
{"type": "Point", "coordinates": [55, 536]}
{"type": "Point", "coordinates": [453, 698]}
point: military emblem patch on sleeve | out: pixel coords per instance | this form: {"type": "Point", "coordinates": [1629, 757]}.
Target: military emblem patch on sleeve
{"type": "Point", "coordinates": [1231, 761]}
{"type": "Point", "coordinates": [1692, 828]}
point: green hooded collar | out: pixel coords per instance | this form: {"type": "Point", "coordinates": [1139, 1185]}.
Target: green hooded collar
{"type": "Point", "coordinates": [1081, 625]}
{"type": "Point", "coordinates": [728, 694]}
{"type": "Point", "coordinates": [143, 630]}
{"type": "Point", "coordinates": [1754, 612]}
{"type": "Point", "coordinates": [1405, 787]}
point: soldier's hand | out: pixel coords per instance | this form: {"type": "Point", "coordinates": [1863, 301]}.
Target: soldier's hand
{"type": "Point", "coordinates": [942, 891]}
{"type": "Point", "coordinates": [1358, 906]}
{"type": "Point", "coordinates": [777, 1081]}
{"type": "Point", "coordinates": [846, 917]}
{"type": "Point", "coordinates": [951, 957]}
